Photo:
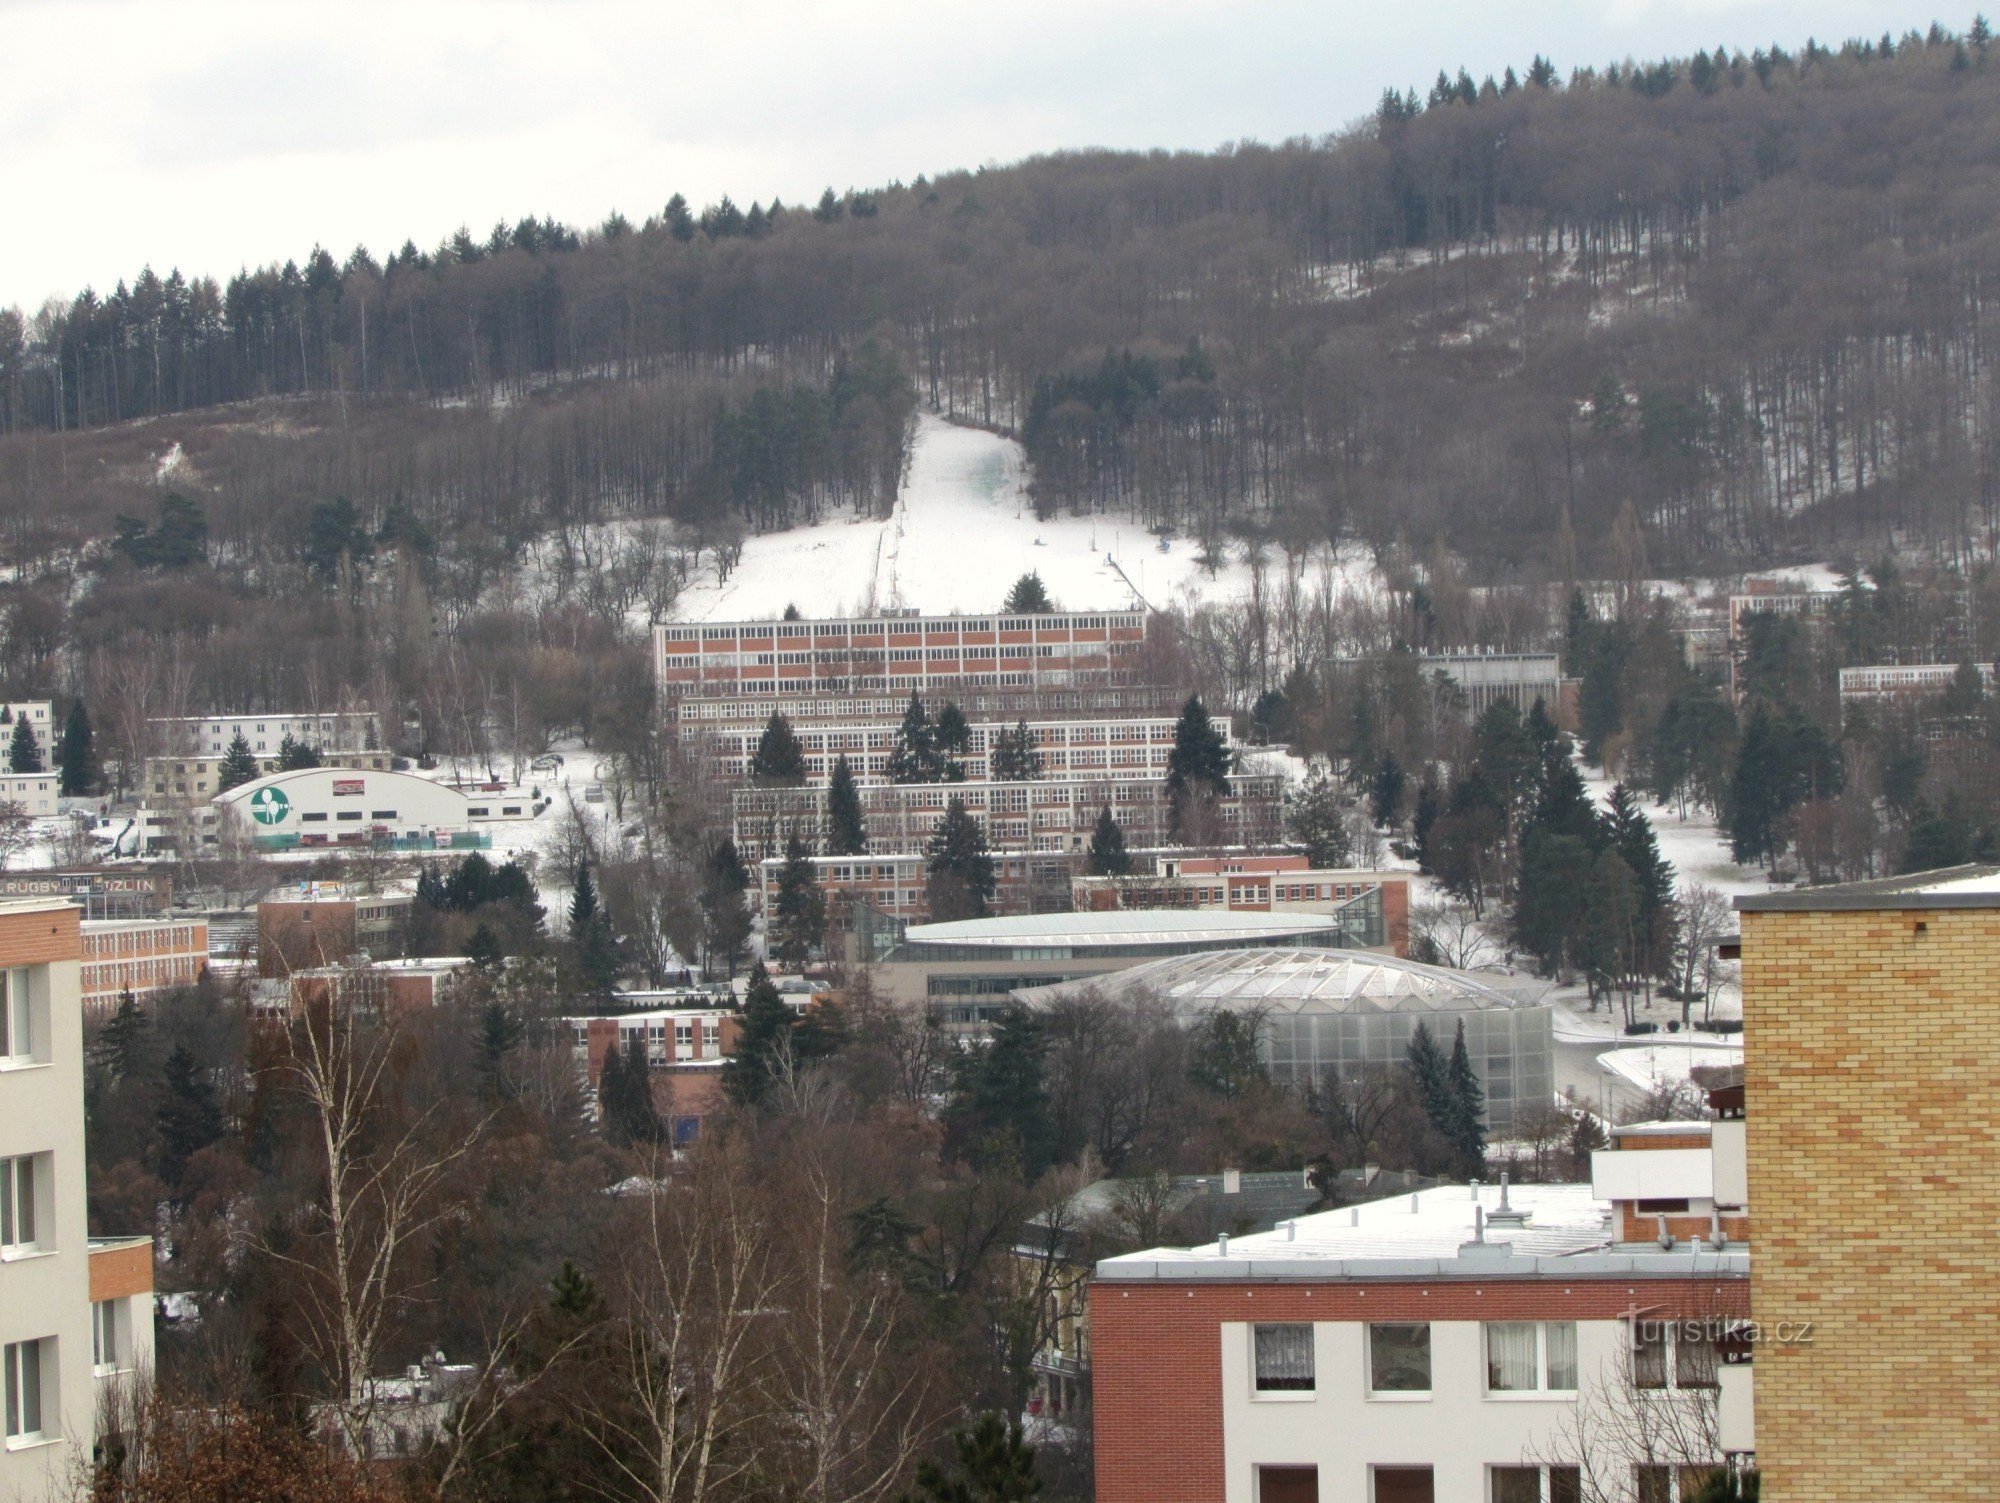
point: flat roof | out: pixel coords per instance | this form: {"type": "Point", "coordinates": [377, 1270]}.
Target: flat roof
{"type": "Point", "coordinates": [1568, 1233]}
{"type": "Point", "coordinates": [1971, 886]}
{"type": "Point", "coordinates": [1306, 980]}
{"type": "Point", "coordinates": [1119, 927]}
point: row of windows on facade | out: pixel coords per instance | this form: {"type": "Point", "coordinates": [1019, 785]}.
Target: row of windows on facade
{"type": "Point", "coordinates": [1522, 1356]}
{"type": "Point", "coordinates": [1510, 1482]}
{"type": "Point", "coordinates": [896, 628]}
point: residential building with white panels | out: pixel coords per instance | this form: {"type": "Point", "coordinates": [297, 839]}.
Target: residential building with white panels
{"type": "Point", "coordinates": [35, 792]}
{"type": "Point", "coordinates": [41, 722]}
{"type": "Point", "coordinates": [211, 735]}
{"type": "Point", "coordinates": [895, 653]}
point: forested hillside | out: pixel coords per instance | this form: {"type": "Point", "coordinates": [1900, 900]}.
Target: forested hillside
{"type": "Point", "coordinates": [1746, 294]}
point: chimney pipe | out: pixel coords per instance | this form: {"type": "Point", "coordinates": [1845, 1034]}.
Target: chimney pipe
{"type": "Point", "coordinates": [1666, 1237]}
{"type": "Point", "coordinates": [1222, 1245]}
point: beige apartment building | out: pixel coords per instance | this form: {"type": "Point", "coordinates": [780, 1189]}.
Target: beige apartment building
{"type": "Point", "coordinates": [75, 1316]}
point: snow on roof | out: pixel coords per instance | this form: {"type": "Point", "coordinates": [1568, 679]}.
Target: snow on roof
{"type": "Point", "coordinates": [1307, 980]}
{"type": "Point", "coordinates": [1118, 927]}
{"type": "Point", "coordinates": [1971, 886]}
{"type": "Point", "coordinates": [1430, 1224]}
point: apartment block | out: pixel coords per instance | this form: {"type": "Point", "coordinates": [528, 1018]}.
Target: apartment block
{"type": "Point", "coordinates": [210, 735]}
{"type": "Point", "coordinates": [1872, 1072]}
{"type": "Point", "coordinates": [73, 1316]}
{"type": "Point", "coordinates": [1053, 815]}
{"type": "Point", "coordinates": [1093, 747]}
{"type": "Point", "coordinates": [895, 653]}
{"type": "Point", "coordinates": [685, 1050]}
{"type": "Point", "coordinates": [139, 957]}
{"type": "Point", "coordinates": [323, 923]}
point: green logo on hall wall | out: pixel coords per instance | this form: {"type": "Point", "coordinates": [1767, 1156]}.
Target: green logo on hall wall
{"type": "Point", "coordinates": [269, 806]}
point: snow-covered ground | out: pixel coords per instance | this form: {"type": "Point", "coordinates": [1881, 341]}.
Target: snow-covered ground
{"type": "Point", "coordinates": [963, 530]}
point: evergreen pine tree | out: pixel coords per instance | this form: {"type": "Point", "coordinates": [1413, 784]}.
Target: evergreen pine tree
{"type": "Point", "coordinates": [1631, 836]}
{"type": "Point", "coordinates": [1028, 597]}
{"type": "Point", "coordinates": [798, 918]}
{"type": "Point", "coordinates": [1317, 822]}
{"type": "Point", "coordinates": [238, 766]}
{"type": "Point", "coordinates": [1198, 765]}
{"type": "Point", "coordinates": [846, 834]}
{"type": "Point", "coordinates": [1468, 1105]}
{"type": "Point", "coordinates": [483, 949]}
{"type": "Point", "coordinates": [1385, 790]}
{"type": "Point", "coordinates": [1542, 730]}
{"type": "Point", "coordinates": [1430, 1071]}
{"type": "Point", "coordinates": [24, 753]}
{"type": "Point", "coordinates": [1016, 757]}
{"type": "Point", "coordinates": [1562, 803]}
{"type": "Point", "coordinates": [1423, 824]}
{"type": "Point", "coordinates": [1550, 902]}
{"type": "Point", "coordinates": [295, 755]}
{"type": "Point", "coordinates": [960, 879]}
{"type": "Point", "coordinates": [998, 1111]}
{"type": "Point", "coordinates": [914, 758]}
{"type": "Point", "coordinates": [994, 1465]}
{"type": "Point", "coordinates": [951, 738]}
{"type": "Point", "coordinates": [625, 1095]}
{"type": "Point", "coordinates": [188, 1118]}
{"type": "Point", "coordinates": [760, 1041]}
{"type": "Point", "coordinates": [120, 1047]}
{"type": "Point", "coordinates": [1108, 856]}
{"type": "Point", "coordinates": [582, 901]}
{"type": "Point", "coordinates": [725, 915]}
{"type": "Point", "coordinates": [779, 761]}
{"type": "Point", "coordinates": [500, 1034]}
{"type": "Point", "coordinates": [76, 757]}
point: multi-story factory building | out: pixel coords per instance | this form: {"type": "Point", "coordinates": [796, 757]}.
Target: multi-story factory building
{"type": "Point", "coordinates": [895, 653]}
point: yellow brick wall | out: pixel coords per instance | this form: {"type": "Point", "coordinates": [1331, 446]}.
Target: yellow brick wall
{"type": "Point", "coordinates": [1872, 1068]}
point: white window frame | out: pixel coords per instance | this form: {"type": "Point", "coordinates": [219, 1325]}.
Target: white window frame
{"type": "Point", "coordinates": [1543, 1484]}
{"type": "Point", "coordinates": [1285, 1395]}
{"type": "Point", "coordinates": [26, 1395]}
{"type": "Point", "coordinates": [110, 1341]}
{"type": "Point", "coordinates": [1543, 1389]}
{"type": "Point", "coordinates": [22, 1210]}
{"type": "Point", "coordinates": [1397, 1395]}
{"type": "Point", "coordinates": [18, 1031]}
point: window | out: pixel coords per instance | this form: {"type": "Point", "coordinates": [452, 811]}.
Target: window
{"type": "Point", "coordinates": [1403, 1484]}
{"type": "Point", "coordinates": [21, 1390]}
{"type": "Point", "coordinates": [17, 1030]}
{"type": "Point", "coordinates": [382, 814]}
{"type": "Point", "coordinates": [1670, 1484]}
{"type": "Point", "coordinates": [1536, 1484]}
{"type": "Point", "coordinates": [107, 1321]}
{"type": "Point", "coordinates": [348, 814]}
{"type": "Point", "coordinates": [1287, 1484]}
{"type": "Point", "coordinates": [17, 1206]}
{"type": "Point", "coordinates": [1399, 1359]}
{"type": "Point", "coordinates": [1284, 1359]}
{"type": "Point", "coordinates": [1526, 1356]}
{"type": "Point", "coordinates": [1684, 1350]}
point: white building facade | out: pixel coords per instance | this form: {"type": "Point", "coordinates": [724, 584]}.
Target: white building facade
{"type": "Point", "coordinates": [56, 1344]}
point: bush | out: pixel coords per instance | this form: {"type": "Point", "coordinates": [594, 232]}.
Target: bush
{"type": "Point", "coordinates": [1673, 1025]}
{"type": "Point", "coordinates": [1631, 1028]}
{"type": "Point", "coordinates": [1726, 1025]}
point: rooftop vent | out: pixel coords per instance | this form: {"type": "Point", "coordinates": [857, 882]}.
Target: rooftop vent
{"type": "Point", "coordinates": [1505, 1214]}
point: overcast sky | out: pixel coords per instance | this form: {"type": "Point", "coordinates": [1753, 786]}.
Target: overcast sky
{"type": "Point", "coordinates": [213, 136]}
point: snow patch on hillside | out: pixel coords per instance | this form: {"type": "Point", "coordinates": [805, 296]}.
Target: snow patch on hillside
{"type": "Point", "coordinates": [963, 530]}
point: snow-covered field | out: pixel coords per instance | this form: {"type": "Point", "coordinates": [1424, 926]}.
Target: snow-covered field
{"type": "Point", "coordinates": [963, 530]}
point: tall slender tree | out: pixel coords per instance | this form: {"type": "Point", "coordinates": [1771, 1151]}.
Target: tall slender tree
{"type": "Point", "coordinates": [76, 757]}
{"type": "Point", "coordinates": [779, 761]}
{"type": "Point", "coordinates": [1108, 856]}
{"type": "Point", "coordinates": [846, 832]}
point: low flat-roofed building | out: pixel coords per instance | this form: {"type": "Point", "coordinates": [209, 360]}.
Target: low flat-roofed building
{"type": "Point", "coordinates": [1250, 884]}
{"type": "Point", "coordinates": [1432, 1348]}
{"type": "Point", "coordinates": [973, 967]}
{"type": "Point", "coordinates": [323, 923]}
{"type": "Point", "coordinates": [1331, 1013]}
{"type": "Point", "coordinates": [685, 1050]}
